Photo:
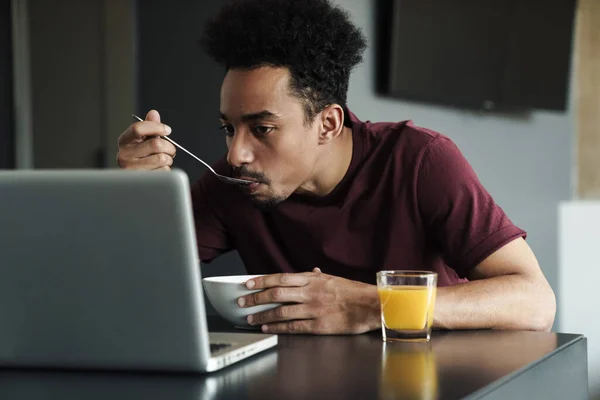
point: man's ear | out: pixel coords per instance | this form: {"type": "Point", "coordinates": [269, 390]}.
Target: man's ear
{"type": "Point", "coordinates": [332, 123]}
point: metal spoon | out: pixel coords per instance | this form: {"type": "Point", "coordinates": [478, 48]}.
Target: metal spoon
{"type": "Point", "coordinates": [224, 178]}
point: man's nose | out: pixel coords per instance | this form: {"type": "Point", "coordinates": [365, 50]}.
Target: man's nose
{"type": "Point", "coordinates": [240, 150]}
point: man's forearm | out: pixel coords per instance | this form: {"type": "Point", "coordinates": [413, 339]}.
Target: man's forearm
{"type": "Point", "coordinates": [502, 302]}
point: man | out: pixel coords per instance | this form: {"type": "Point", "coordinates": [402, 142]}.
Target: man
{"type": "Point", "coordinates": [335, 199]}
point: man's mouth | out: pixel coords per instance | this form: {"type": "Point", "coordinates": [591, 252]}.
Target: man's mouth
{"type": "Point", "coordinates": [250, 188]}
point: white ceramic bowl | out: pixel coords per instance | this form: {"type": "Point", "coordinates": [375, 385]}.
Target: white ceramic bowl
{"type": "Point", "coordinates": [223, 293]}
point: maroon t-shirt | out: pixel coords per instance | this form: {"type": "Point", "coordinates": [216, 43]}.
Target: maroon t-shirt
{"type": "Point", "coordinates": [409, 200]}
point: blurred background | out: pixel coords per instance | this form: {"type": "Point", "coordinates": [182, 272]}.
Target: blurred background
{"type": "Point", "coordinates": [516, 84]}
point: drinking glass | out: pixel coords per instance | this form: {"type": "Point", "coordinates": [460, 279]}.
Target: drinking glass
{"type": "Point", "coordinates": [407, 304]}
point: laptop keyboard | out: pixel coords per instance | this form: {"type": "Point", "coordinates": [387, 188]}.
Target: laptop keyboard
{"type": "Point", "coordinates": [214, 347]}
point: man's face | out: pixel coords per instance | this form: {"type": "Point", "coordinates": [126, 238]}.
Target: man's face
{"type": "Point", "coordinates": [266, 134]}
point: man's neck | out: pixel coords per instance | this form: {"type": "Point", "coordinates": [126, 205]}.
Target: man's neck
{"type": "Point", "coordinates": [332, 166]}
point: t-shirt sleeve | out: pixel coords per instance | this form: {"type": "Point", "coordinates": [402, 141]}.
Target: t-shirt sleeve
{"type": "Point", "coordinates": [211, 235]}
{"type": "Point", "coordinates": [457, 211]}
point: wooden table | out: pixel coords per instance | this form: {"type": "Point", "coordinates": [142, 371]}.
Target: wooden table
{"type": "Point", "coordinates": [454, 365]}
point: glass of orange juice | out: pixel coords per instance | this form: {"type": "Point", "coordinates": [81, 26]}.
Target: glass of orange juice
{"type": "Point", "coordinates": [407, 304]}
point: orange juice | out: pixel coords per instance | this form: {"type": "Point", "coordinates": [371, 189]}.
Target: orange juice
{"type": "Point", "coordinates": [407, 307]}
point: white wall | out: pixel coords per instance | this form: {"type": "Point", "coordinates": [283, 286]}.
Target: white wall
{"type": "Point", "coordinates": [524, 161]}
{"type": "Point", "coordinates": [579, 241]}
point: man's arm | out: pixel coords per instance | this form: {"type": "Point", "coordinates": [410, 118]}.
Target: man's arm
{"type": "Point", "coordinates": [507, 291]}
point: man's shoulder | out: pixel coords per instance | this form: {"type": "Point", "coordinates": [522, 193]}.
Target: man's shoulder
{"type": "Point", "coordinates": [403, 138]}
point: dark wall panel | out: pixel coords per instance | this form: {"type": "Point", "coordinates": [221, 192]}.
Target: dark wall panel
{"type": "Point", "coordinates": [6, 107]}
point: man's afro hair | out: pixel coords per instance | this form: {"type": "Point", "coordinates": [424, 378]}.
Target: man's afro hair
{"type": "Point", "coordinates": [314, 39]}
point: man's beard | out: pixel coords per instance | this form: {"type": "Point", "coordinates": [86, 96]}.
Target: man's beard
{"type": "Point", "coordinates": [268, 204]}
{"type": "Point", "coordinates": [263, 205]}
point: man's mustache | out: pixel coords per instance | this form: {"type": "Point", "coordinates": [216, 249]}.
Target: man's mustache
{"type": "Point", "coordinates": [244, 172]}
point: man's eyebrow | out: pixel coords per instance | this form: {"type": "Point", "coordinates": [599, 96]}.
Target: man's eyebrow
{"type": "Point", "coordinates": [261, 115]}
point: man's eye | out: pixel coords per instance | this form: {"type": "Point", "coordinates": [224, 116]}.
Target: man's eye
{"type": "Point", "coordinates": [262, 130]}
{"type": "Point", "coordinates": [228, 129]}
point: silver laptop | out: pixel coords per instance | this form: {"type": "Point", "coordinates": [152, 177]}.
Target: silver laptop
{"type": "Point", "coordinates": [99, 269]}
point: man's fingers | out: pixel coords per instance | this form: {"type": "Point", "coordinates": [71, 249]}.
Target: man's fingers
{"type": "Point", "coordinates": [273, 295]}
{"type": "Point", "coordinates": [149, 128]}
{"type": "Point", "coordinates": [153, 115]}
{"type": "Point", "coordinates": [147, 148]}
{"type": "Point", "coordinates": [298, 327]}
{"type": "Point", "coordinates": [137, 156]}
{"type": "Point", "coordinates": [282, 313]}
{"type": "Point", "coordinates": [154, 146]}
{"type": "Point", "coordinates": [156, 160]}
{"type": "Point", "coordinates": [141, 148]}
{"type": "Point", "coordinates": [139, 131]}
{"type": "Point", "coordinates": [147, 163]}
{"type": "Point", "coordinates": [273, 280]}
